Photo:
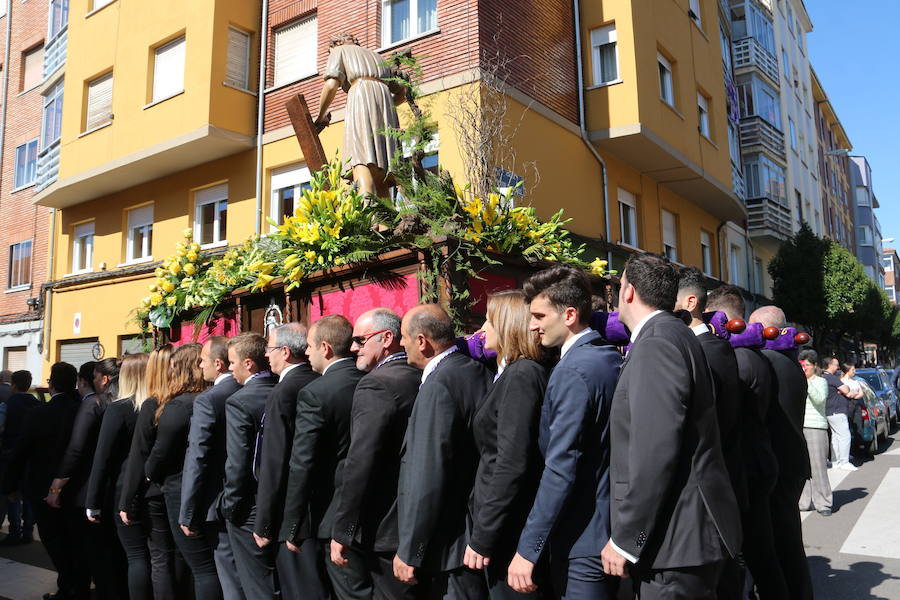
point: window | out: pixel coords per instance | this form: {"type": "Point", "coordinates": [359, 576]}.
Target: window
{"type": "Point", "coordinates": [210, 216]}
{"type": "Point", "coordinates": [865, 235]}
{"type": "Point", "coordinates": [168, 70]}
{"type": "Point", "coordinates": [288, 184]}
{"type": "Point", "coordinates": [666, 91]}
{"type": "Point", "coordinates": [765, 178]}
{"type": "Point", "coordinates": [32, 68]}
{"type": "Point", "coordinates": [799, 198]}
{"type": "Point", "coordinates": [785, 63]}
{"type": "Point", "coordinates": [758, 276]}
{"type": "Point", "coordinates": [238, 68]}
{"type": "Point", "coordinates": [99, 102]}
{"type": "Point", "coordinates": [83, 248]}
{"type": "Point", "coordinates": [53, 105]}
{"type": "Point", "coordinates": [403, 19]}
{"type": "Point", "coordinates": [628, 218]}
{"type": "Point", "coordinates": [706, 251]}
{"type": "Point", "coordinates": [695, 12]}
{"type": "Point", "coordinates": [507, 182]}
{"type": "Point", "coordinates": [98, 4]}
{"type": "Point", "coordinates": [59, 17]}
{"type": "Point", "coordinates": [748, 20]}
{"type": "Point", "coordinates": [862, 196]}
{"type": "Point", "coordinates": [670, 235]}
{"type": "Point", "coordinates": [726, 48]}
{"type": "Point", "coordinates": [140, 234]}
{"type": "Point", "coordinates": [604, 54]}
{"type": "Point", "coordinates": [793, 131]}
{"type": "Point", "coordinates": [26, 164]}
{"type": "Point", "coordinates": [295, 50]}
{"type": "Point", "coordinates": [703, 114]}
{"type": "Point", "coordinates": [734, 256]}
{"type": "Point", "coordinates": [790, 20]}
{"type": "Point", "coordinates": [19, 264]}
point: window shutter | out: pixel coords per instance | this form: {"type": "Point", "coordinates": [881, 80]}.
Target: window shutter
{"type": "Point", "coordinates": [16, 359]}
{"type": "Point", "coordinates": [238, 58]}
{"type": "Point", "coordinates": [669, 233]}
{"type": "Point", "coordinates": [33, 68]}
{"type": "Point", "coordinates": [138, 217]}
{"type": "Point", "coordinates": [168, 70]}
{"type": "Point", "coordinates": [290, 176]}
{"type": "Point", "coordinates": [76, 353]}
{"type": "Point", "coordinates": [99, 107]}
{"type": "Point", "coordinates": [295, 50]}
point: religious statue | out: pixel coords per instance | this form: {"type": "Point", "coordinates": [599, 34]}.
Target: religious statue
{"type": "Point", "coordinates": [371, 109]}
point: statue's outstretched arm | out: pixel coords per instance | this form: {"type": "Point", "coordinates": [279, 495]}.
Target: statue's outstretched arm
{"type": "Point", "coordinates": [329, 90]}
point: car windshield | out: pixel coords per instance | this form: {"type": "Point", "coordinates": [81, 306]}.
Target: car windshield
{"type": "Point", "coordinates": [872, 379]}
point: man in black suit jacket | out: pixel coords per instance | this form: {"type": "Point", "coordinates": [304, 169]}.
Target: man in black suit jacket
{"type": "Point", "coordinates": [243, 415]}
{"type": "Point", "coordinates": [760, 463]}
{"type": "Point", "coordinates": [786, 430]}
{"type": "Point", "coordinates": [569, 520]}
{"type": "Point", "coordinates": [34, 464]}
{"type": "Point", "coordinates": [674, 514]}
{"type": "Point", "coordinates": [364, 532]}
{"type": "Point", "coordinates": [203, 476]}
{"type": "Point", "coordinates": [439, 459]}
{"type": "Point", "coordinates": [14, 410]}
{"type": "Point", "coordinates": [299, 575]}
{"type": "Point", "coordinates": [321, 441]}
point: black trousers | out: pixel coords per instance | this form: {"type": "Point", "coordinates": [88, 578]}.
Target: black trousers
{"type": "Point", "coordinates": [459, 584]}
{"type": "Point", "coordinates": [169, 573]}
{"type": "Point", "coordinates": [789, 539]}
{"type": "Point", "coordinates": [225, 565]}
{"type": "Point", "coordinates": [385, 585]}
{"type": "Point", "coordinates": [255, 565]}
{"type": "Point", "coordinates": [52, 529]}
{"type": "Point", "coordinates": [352, 581]}
{"type": "Point", "coordinates": [134, 539]}
{"type": "Point", "coordinates": [302, 576]}
{"type": "Point", "coordinates": [197, 550]}
{"type": "Point", "coordinates": [692, 583]}
{"type": "Point", "coordinates": [759, 549]}
{"type": "Point", "coordinates": [580, 579]}
{"type": "Point", "coordinates": [80, 546]}
{"type": "Point", "coordinates": [108, 562]}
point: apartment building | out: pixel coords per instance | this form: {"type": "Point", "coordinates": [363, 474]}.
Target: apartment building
{"type": "Point", "coordinates": [891, 264]}
{"type": "Point", "coordinates": [869, 249]}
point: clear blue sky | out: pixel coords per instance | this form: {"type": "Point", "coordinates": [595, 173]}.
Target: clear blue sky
{"type": "Point", "coordinates": [853, 49]}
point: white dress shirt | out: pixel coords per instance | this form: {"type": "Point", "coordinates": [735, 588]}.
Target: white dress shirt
{"type": "Point", "coordinates": [700, 329]}
{"type": "Point", "coordinates": [325, 370]}
{"type": "Point", "coordinates": [571, 341]}
{"type": "Point", "coordinates": [222, 378]}
{"type": "Point", "coordinates": [288, 369]}
{"type": "Point", "coordinates": [433, 363]}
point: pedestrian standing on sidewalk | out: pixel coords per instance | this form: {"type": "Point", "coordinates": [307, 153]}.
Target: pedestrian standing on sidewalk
{"type": "Point", "coordinates": [13, 414]}
{"type": "Point", "coordinates": [836, 409]}
{"type": "Point", "coordinates": [817, 491]}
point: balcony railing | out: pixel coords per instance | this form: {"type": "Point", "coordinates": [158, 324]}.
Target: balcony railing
{"type": "Point", "coordinates": [737, 183]}
{"type": "Point", "coordinates": [48, 166]}
{"type": "Point", "coordinates": [768, 217]}
{"type": "Point", "coordinates": [55, 53]}
{"type": "Point", "coordinates": [749, 53]}
{"type": "Point", "coordinates": [757, 131]}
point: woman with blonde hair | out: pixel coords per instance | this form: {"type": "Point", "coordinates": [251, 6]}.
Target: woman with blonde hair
{"type": "Point", "coordinates": [165, 463]}
{"type": "Point", "coordinates": [505, 429]}
{"type": "Point", "coordinates": [108, 470]}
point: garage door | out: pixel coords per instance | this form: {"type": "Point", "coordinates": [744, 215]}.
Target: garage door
{"type": "Point", "coordinates": [77, 353]}
{"type": "Point", "coordinates": [16, 359]}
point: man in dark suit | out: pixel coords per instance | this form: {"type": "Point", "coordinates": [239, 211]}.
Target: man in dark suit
{"type": "Point", "coordinates": [569, 519]}
{"type": "Point", "coordinates": [321, 441]}
{"type": "Point", "coordinates": [439, 459]}
{"type": "Point", "coordinates": [243, 415]}
{"type": "Point", "coordinates": [760, 464]}
{"type": "Point", "coordinates": [299, 575]}
{"type": "Point", "coordinates": [674, 514]}
{"type": "Point", "coordinates": [364, 532]}
{"type": "Point", "coordinates": [13, 413]}
{"type": "Point", "coordinates": [34, 464]}
{"type": "Point", "coordinates": [786, 431]}
{"type": "Point", "coordinates": [204, 463]}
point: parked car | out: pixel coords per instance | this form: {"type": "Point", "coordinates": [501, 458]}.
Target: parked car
{"type": "Point", "coordinates": [868, 420]}
{"type": "Point", "coordinates": [880, 382]}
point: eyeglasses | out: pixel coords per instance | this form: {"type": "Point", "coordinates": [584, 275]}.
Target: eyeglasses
{"type": "Point", "coordinates": [360, 340]}
{"type": "Point", "coordinates": [274, 347]}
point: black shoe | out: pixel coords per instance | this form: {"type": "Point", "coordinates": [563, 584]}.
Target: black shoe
{"type": "Point", "coordinates": [11, 540]}
{"type": "Point", "coordinates": [27, 539]}
{"type": "Point", "coordinates": [60, 595]}
{"type": "Point", "coordinates": [824, 513]}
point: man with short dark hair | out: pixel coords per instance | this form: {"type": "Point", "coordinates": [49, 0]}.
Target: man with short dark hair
{"type": "Point", "coordinates": [13, 413]}
{"type": "Point", "coordinates": [321, 441]}
{"type": "Point", "coordinates": [837, 407]}
{"type": "Point", "coordinates": [438, 460]}
{"type": "Point", "coordinates": [569, 520]}
{"type": "Point", "coordinates": [674, 514]}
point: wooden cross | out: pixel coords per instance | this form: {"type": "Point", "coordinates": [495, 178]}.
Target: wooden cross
{"type": "Point", "coordinates": [307, 133]}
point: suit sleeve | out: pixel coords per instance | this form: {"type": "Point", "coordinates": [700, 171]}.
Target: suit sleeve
{"type": "Point", "coordinates": [657, 406]}
{"type": "Point", "coordinates": [240, 437]}
{"type": "Point", "coordinates": [517, 429]}
{"type": "Point", "coordinates": [307, 432]}
{"type": "Point", "coordinates": [109, 429]}
{"type": "Point", "coordinates": [278, 432]}
{"type": "Point", "coordinates": [196, 462]}
{"type": "Point", "coordinates": [425, 471]}
{"type": "Point", "coordinates": [76, 450]}
{"type": "Point", "coordinates": [373, 409]}
{"type": "Point", "coordinates": [134, 484]}
{"type": "Point", "coordinates": [568, 406]}
{"type": "Point", "coordinates": [172, 432]}
{"type": "Point", "coordinates": [2, 420]}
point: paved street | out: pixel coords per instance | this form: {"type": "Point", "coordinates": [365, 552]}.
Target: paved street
{"type": "Point", "coordinates": [854, 554]}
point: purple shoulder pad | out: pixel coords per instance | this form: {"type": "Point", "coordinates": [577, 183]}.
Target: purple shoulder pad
{"type": "Point", "coordinates": [610, 327]}
{"type": "Point", "coordinates": [785, 341]}
{"type": "Point", "coordinates": [473, 347]}
{"type": "Point", "coordinates": [752, 337]}
{"type": "Point", "coordinates": [717, 321]}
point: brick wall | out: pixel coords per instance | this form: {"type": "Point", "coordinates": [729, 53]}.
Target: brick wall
{"type": "Point", "coordinates": [20, 220]}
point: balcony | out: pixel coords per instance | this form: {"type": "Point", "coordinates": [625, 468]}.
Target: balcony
{"type": "Point", "coordinates": [737, 183]}
{"type": "Point", "coordinates": [758, 134]}
{"type": "Point", "coordinates": [48, 166]}
{"type": "Point", "coordinates": [749, 54]}
{"type": "Point", "coordinates": [767, 218]}
{"type": "Point", "coordinates": [55, 53]}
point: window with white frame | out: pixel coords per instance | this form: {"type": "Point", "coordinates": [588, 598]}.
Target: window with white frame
{"type": "Point", "coordinates": [758, 276]}
{"type": "Point", "coordinates": [287, 185]}
{"type": "Point", "coordinates": [168, 69]}
{"type": "Point", "coordinates": [237, 71]}
{"type": "Point", "coordinates": [510, 183]}
{"type": "Point", "coordinates": [785, 63]}
{"type": "Point", "coordinates": [19, 264]}
{"type": "Point", "coordinates": [58, 18]}
{"type": "Point", "coordinates": [99, 102]}
{"type": "Point", "coordinates": [628, 231]}
{"type": "Point", "coordinates": [26, 164]}
{"type": "Point", "coordinates": [670, 235]}
{"type": "Point", "coordinates": [32, 68]}
{"type": "Point", "coordinates": [83, 247]}
{"type": "Point", "coordinates": [666, 86]}
{"type": "Point", "coordinates": [703, 115]}
{"type": "Point", "coordinates": [140, 234]}
{"type": "Point", "coordinates": [211, 215]}
{"type": "Point", "coordinates": [404, 19]}
{"type": "Point", "coordinates": [735, 264]}
{"type": "Point", "coordinates": [295, 50]}
{"type": "Point", "coordinates": [98, 4]}
{"type": "Point", "coordinates": [604, 54]}
{"type": "Point", "coordinates": [864, 235]}
{"type": "Point", "coordinates": [695, 12]}
{"type": "Point", "coordinates": [52, 117]}
{"type": "Point", "coordinates": [793, 131]}
{"type": "Point", "coordinates": [706, 252]}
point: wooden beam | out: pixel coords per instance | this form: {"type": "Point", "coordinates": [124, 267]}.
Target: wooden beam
{"type": "Point", "coordinates": [306, 132]}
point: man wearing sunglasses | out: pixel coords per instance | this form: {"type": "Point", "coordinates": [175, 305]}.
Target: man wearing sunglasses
{"type": "Point", "coordinates": [364, 533]}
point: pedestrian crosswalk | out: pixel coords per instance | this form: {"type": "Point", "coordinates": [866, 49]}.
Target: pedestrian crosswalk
{"type": "Point", "coordinates": [875, 530]}
{"type": "Point", "coordinates": [835, 477]}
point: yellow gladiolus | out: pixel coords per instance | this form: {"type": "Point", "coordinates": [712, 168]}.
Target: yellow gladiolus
{"type": "Point", "coordinates": [171, 300]}
{"type": "Point", "coordinates": [175, 269]}
{"type": "Point", "coordinates": [263, 280]}
{"type": "Point", "coordinates": [153, 287]}
{"type": "Point", "coordinates": [190, 269]}
{"type": "Point", "coordinates": [310, 256]}
{"type": "Point", "coordinates": [192, 256]}
{"type": "Point", "coordinates": [168, 286]}
{"type": "Point", "coordinates": [188, 233]}
{"type": "Point", "coordinates": [155, 299]}
{"type": "Point", "coordinates": [291, 261]}
{"type": "Point", "coordinates": [598, 267]}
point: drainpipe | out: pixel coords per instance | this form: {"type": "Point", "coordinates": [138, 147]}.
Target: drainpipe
{"type": "Point", "coordinates": [48, 303]}
{"type": "Point", "coordinates": [576, 7]}
{"type": "Point", "coordinates": [260, 105]}
{"type": "Point", "coordinates": [5, 77]}
{"type": "Point", "coordinates": [721, 250]}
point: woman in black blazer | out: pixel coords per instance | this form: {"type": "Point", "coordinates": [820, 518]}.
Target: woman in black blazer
{"type": "Point", "coordinates": [166, 461]}
{"type": "Point", "coordinates": [108, 471]}
{"type": "Point", "coordinates": [505, 428]}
